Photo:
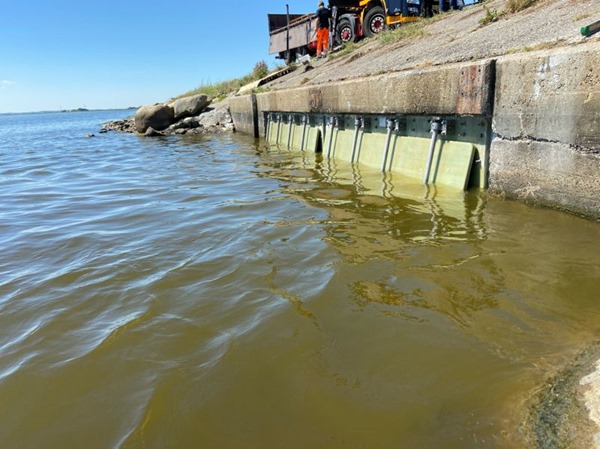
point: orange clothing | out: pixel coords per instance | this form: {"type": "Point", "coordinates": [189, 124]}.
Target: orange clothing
{"type": "Point", "coordinates": [322, 40]}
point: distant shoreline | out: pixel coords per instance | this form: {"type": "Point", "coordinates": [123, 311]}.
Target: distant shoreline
{"type": "Point", "coordinates": [132, 108]}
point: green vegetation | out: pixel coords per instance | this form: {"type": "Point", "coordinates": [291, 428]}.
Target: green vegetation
{"type": "Point", "coordinates": [491, 15]}
{"type": "Point", "coordinates": [545, 45]}
{"type": "Point", "coordinates": [403, 32]}
{"type": "Point", "coordinates": [519, 5]}
{"type": "Point", "coordinates": [221, 89]}
{"type": "Point", "coordinates": [408, 31]}
{"type": "Point", "coordinates": [349, 47]}
{"type": "Point", "coordinates": [399, 33]}
{"type": "Point", "coordinates": [512, 6]}
{"type": "Point", "coordinates": [260, 90]}
{"type": "Point", "coordinates": [539, 46]}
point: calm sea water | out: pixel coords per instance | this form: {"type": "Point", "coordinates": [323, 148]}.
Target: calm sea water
{"type": "Point", "coordinates": [217, 293]}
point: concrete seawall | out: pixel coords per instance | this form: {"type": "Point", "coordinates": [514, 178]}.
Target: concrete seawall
{"type": "Point", "coordinates": [543, 110]}
{"type": "Point", "coordinates": [547, 126]}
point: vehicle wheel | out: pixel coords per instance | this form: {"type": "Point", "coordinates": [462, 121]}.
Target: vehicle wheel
{"type": "Point", "coordinates": [345, 32]}
{"type": "Point", "coordinates": [374, 21]}
{"type": "Point", "coordinates": [290, 57]}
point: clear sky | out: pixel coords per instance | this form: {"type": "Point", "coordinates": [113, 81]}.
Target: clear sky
{"type": "Point", "coordinates": [67, 54]}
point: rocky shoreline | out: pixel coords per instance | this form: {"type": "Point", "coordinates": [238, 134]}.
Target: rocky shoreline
{"type": "Point", "coordinates": [187, 116]}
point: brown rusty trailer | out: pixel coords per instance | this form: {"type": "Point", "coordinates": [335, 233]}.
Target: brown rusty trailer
{"type": "Point", "coordinates": [302, 33]}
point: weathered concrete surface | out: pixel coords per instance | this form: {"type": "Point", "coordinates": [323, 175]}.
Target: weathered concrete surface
{"type": "Point", "coordinates": [546, 173]}
{"type": "Point", "coordinates": [552, 96]}
{"type": "Point", "coordinates": [459, 89]}
{"type": "Point", "coordinates": [547, 125]}
{"type": "Point", "coordinates": [242, 112]}
{"type": "Point", "coordinates": [464, 89]}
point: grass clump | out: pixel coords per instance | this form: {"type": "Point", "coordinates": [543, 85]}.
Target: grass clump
{"type": "Point", "coordinates": [221, 89]}
{"type": "Point", "coordinates": [402, 32]}
{"type": "Point", "coordinates": [349, 47]}
{"type": "Point", "coordinates": [408, 31]}
{"type": "Point", "coordinates": [519, 5]}
{"type": "Point", "coordinates": [579, 17]}
{"type": "Point", "coordinates": [491, 15]}
{"type": "Point", "coordinates": [512, 6]}
{"type": "Point", "coordinates": [260, 90]}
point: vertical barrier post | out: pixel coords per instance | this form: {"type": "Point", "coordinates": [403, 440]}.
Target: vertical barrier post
{"type": "Point", "coordinates": [332, 123]}
{"type": "Point", "coordinates": [290, 124]}
{"type": "Point", "coordinates": [391, 124]}
{"type": "Point", "coordinates": [304, 124]}
{"type": "Point", "coordinates": [358, 124]}
{"type": "Point", "coordinates": [438, 127]}
{"type": "Point", "coordinates": [278, 128]}
{"type": "Point", "coordinates": [256, 128]}
{"type": "Point", "coordinates": [268, 127]}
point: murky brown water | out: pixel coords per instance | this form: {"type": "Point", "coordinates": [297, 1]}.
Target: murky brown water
{"type": "Point", "coordinates": [220, 294]}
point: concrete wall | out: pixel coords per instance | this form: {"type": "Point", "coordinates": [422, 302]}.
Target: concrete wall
{"type": "Point", "coordinates": [463, 89]}
{"type": "Point", "coordinates": [547, 125]}
{"type": "Point", "coordinates": [544, 109]}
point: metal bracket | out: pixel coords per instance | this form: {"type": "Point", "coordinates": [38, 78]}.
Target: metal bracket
{"type": "Point", "coordinates": [438, 126]}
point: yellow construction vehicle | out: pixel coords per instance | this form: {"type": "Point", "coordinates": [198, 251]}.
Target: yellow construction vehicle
{"type": "Point", "coordinates": [356, 18]}
{"type": "Point", "coordinates": [294, 35]}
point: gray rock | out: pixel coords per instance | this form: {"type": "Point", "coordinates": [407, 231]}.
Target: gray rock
{"type": "Point", "coordinates": [126, 125]}
{"type": "Point", "coordinates": [174, 127]}
{"type": "Point", "coordinates": [151, 132]}
{"type": "Point", "coordinates": [187, 123]}
{"type": "Point", "coordinates": [215, 118]}
{"type": "Point", "coordinates": [191, 122]}
{"type": "Point", "coordinates": [190, 106]}
{"type": "Point", "coordinates": [158, 116]}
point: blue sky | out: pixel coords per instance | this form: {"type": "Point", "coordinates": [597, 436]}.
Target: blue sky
{"type": "Point", "coordinates": [66, 54]}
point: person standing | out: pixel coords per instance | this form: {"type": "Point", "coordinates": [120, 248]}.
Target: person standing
{"type": "Point", "coordinates": [427, 8]}
{"type": "Point", "coordinates": [324, 16]}
{"type": "Point", "coordinates": [445, 5]}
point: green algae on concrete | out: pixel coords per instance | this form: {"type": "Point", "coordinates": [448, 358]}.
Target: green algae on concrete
{"type": "Point", "coordinates": [563, 417]}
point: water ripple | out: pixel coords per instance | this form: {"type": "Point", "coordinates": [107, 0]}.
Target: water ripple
{"type": "Point", "coordinates": [159, 292]}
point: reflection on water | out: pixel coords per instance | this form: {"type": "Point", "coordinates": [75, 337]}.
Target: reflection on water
{"type": "Point", "coordinates": [173, 293]}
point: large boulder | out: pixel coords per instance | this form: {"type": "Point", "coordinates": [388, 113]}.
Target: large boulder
{"type": "Point", "coordinates": [158, 116]}
{"type": "Point", "coordinates": [190, 106]}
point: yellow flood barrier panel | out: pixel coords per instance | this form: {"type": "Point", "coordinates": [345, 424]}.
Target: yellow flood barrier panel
{"type": "Point", "coordinates": [369, 143]}
{"type": "Point", "coordinates": [451, 164]}
{"type": "Point", "coordinates": [298, 132]}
